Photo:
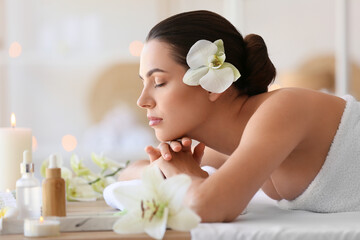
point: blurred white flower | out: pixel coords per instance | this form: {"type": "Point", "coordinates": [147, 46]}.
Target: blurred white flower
{"type": "Point", "coordinates": [106, 163]}
{"type": "Point", "coordinates": [7, 212]}
{"type": "Point", "coordinates": [78, 167]}
{"type": "Point", "coordinates": [78, 189]}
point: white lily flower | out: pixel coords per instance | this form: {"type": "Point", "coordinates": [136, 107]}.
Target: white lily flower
{"type": "Point", "coordinates": [155, 204]}
{"type": "Point", "coordinates": [78, 189]}
{"type": "Point", "coordinates": [208, 67]}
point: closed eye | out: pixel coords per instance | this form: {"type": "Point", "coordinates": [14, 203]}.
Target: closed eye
{"type": "Point", "coordinates": [159, 85]}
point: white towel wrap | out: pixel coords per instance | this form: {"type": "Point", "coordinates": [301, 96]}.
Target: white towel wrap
{"type": "Point", "coordinates": [336, 188]}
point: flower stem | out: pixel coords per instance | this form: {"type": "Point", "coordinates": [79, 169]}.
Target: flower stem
{"type": "Point", "coordinates": [110, 174]}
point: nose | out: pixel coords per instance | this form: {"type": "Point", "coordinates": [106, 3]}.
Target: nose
{"type": "Point", "coordinates": [145, 100]}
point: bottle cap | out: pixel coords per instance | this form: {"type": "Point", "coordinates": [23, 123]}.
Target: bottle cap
{"type": "Point", "coordinates": [27, 166]}
{"type": "Point", "coordinates": [53, 162]}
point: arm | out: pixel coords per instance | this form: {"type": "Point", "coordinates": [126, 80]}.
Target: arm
{"type": "Point", "coordinates": [133, 171]}
{"type": "Point", "coordinates": [213, 158]}
{"type": "Point", "coordinates": [270, 136]}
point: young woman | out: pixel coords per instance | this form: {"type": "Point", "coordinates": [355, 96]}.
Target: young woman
{"type": "Point", "coordinates": [299, 146]}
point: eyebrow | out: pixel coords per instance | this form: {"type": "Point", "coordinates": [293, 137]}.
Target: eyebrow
{"type": "Point", "coordinates": [149, 73]}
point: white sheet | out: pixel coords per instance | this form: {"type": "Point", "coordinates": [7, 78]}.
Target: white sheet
{"type": "Point", "coordinates": [265, 220]}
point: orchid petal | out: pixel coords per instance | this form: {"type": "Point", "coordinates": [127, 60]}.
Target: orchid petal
{"type": "Point", "coordinates": [217, 81]}
{"type": "Point", "coordinates": [192, 76]}
{"type": "Point", "coordinates": [233, 68]}
{"type": "Point", "coordinates": [220, 47]}
{"type": "Point", "coordinates": [156, 227]}
{"type": "Point", "coordinates": [184, 220]}
{"type": "Point", "coordinates": [105, 162]}
{"type": "Point", "coordinates": [78, 167]}
{"type": "Point", "coordinates": [173, 191]}
{"type": "Point", "coordinates": [199, 52]}
{"type": "Point", "coordinates": [129, 223]}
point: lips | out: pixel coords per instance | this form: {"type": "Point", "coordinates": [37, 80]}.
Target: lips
{"type": "Point", "coordinates": [153, 121]}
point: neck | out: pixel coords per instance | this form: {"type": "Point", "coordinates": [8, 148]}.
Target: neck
{"type": "Point", "coordinates": [223, 128]}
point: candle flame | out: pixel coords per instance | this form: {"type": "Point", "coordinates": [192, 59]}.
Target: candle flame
{"type": "Point", "coordinates": [13, 120]}
{"type": "Point", "coordinates": [41, 219]}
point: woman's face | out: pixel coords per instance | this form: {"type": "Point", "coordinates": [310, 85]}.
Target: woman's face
{"type": "Point", "coordinates": [174, 109]}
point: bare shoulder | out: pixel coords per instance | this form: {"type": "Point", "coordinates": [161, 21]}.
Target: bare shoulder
{"type": "Point", "coordinates": [294, 115]}
{"type": "Point", "coordinates": [297, 102]}
{"type": "Point", "coordinates": [284, 105]}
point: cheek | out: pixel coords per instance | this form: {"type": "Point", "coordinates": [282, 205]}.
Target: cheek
{"type": "Point", "coordinates": [186, 110]}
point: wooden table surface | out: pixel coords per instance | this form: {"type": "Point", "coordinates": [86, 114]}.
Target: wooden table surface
{"type": "Point", "coordinates": [74, 208]}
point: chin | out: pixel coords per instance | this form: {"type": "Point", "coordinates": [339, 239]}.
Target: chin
{"type": "Point", "coordinates": [166, 137]}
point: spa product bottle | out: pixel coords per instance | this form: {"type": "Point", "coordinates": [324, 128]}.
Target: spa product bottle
{"type": "Point", "coordinates": [28, 192]}
{"type": "Point", "coordinates": [53, 190]}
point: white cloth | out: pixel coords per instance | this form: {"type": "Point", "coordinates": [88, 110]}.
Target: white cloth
{"type": "Point", "coordinates": [336, 188]}
{"type": "Point", "coordinates": [109, 195]}
{"type": "Point", "coordinates": [265, 220]}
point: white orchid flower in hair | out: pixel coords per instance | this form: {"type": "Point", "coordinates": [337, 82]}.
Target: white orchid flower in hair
{"type": "Point", "coordinates": [208, 67]}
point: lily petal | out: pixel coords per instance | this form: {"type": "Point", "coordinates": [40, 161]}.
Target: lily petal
{"type": "Point", "coordinates": [130, 222]}
{"type": "Point", "coordinates": [199, 52]}
{"type": "Point", "coordinates": [184, 220]}
{"type": "Point", "coordinates": [157, 226]}
{"type": "Point", "coordinates": [192, 76]}
{"type": "Point", "coordinates": [152, 177]}
{"type": "Point", "coordinates": [217, 81]}
{"type": "Point", "coordinates": [173, 191]}
{"type": "Point", "coordinates": [130, 196]}
{"type": "Point", "coordinates": [235, 71]}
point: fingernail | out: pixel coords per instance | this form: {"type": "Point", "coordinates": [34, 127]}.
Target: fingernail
{"type": "Point", "coordinates": [167, 156]}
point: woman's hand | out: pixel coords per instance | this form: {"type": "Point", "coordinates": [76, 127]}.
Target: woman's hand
{"type": "Point", "coordinates": [176, 157]}
{"type": "Point", "coordinates": [165, 149]}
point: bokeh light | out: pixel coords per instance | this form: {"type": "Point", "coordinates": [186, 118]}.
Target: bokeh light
{"type": "Point", "coordinates": [69, 142]}
{"type": "Point", "coordinates": [34, 144]}
{"type": "Point", "coordinates": [135, 48]}
{"type": "Point", "coordinates": [15, 50]}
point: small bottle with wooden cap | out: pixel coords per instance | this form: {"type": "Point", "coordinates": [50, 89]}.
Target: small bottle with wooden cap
{"type": "Point", "coordinates": [53, 190]}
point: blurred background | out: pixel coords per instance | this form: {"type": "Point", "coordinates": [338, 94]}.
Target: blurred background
{"type": "Point", "coordinates": [69, 69]}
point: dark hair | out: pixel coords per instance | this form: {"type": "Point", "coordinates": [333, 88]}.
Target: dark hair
{"type": "Point", "coordinates": [248, 55]}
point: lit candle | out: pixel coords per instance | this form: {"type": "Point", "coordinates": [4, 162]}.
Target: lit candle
{"type": "Point", "coordinates": [13, 142]}
{"type": "Point", "coordinates": [41, 227]}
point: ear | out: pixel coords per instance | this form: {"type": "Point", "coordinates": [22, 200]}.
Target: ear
{"type": "Point", "coordinates": [214, 96]}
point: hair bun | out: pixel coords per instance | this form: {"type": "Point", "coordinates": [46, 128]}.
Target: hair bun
{"type": "Point", "coordinates": [259, 70]}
